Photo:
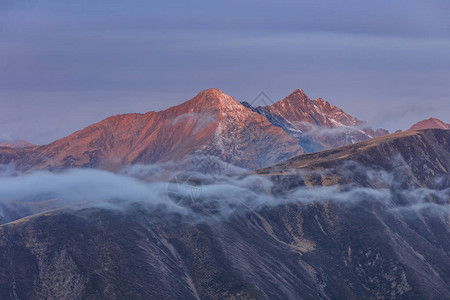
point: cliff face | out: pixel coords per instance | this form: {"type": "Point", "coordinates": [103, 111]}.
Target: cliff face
{"type": "Point", "coordinates": [365, 249]}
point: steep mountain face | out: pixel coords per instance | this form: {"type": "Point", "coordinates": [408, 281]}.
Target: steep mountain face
{"type": "Point", "coordinates": [429, 124]}
{"type": "Point", "coordinates": [211, 123]}
{"type": "Point", "coordinates": [361, 246]}
{"type": "Point", "coordinates": [298, 109]}
{"type": "Point", "coordinates": [317, 124]}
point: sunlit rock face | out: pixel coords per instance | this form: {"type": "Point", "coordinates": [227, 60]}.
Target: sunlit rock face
{"type": "Point", "coordinates": [383, 234]}
{"type": "Point", "coordinates": [316, 124]}
{"type": "Point", "coordinates": [210, 123]}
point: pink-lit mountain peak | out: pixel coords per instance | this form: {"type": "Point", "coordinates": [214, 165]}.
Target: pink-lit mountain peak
{"type": "Point", "coordinates": [214, 96]}
{"type": "Point", "coordinates": [211, 101]}
{"type": "Point", "coordinates": [316, 124]}
{"type": "Point", "coordinates": [325, 105]}
{"type": "Point", "coordinates": [298, 107]}
{"type": "Point", "coordinates": [211, 93]}
{"type": "Point", "coordinates": [297, 98]}
{"type": "Point", "coordinates": [430, 124]}
{"type": "Point", "coordinates": [211, 121]}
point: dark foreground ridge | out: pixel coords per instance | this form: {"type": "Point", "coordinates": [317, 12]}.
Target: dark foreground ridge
{"type": "Point", "coordinates": [318, 250]}
{"type": "Point", "coordinates": [412, 145]}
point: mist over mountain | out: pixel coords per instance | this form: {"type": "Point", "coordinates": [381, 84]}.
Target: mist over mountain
{"type": "Point", "coordinates": [126, 173]}
{"type": "Point", "coordinates": [367, 220]}
{"type": "Point", "coordinates": [215, 199]}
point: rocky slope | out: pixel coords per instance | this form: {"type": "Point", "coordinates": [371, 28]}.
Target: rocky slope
{"type": "Point", "coordinates": [359, 246]}
{"type": "Point", "coordinates": [317, 124]}
{"type": "Point", "coordinates": [212, 123]}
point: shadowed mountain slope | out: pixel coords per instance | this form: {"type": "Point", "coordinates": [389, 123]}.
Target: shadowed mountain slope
{"type": "Point", "coordinates": [358, 246]}
{"type": "Point", "coordinates": [416, 146]}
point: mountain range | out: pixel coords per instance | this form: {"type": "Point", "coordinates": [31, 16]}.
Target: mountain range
{"type": "Point", "coordinates": [317, 124]}
{"type": "Point", "coordinates": [211, 123]}
{"type": "Point", "coordinates": [331, 209]}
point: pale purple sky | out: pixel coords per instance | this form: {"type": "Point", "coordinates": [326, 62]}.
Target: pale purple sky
{"type": "Point", "coordinates": [67, 64]}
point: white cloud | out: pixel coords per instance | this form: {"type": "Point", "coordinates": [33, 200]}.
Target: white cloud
{"type": "Point", "coordinates": [235, 192]}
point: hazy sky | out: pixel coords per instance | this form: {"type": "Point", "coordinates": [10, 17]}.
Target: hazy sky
{"type": "Point", "coordinates": [67, 64]}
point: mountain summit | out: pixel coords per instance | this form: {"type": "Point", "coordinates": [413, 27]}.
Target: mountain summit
{"type": "Point", "coordinates": [212, 99]}
{"type": "Point", "coordinates": [430, 124]}
{"type": "Point", "coordinates": [211, 123]}
{"type": "Point", "coordinates": [297, 108]}
{"type": "Point", "coordinates": [317, 125]}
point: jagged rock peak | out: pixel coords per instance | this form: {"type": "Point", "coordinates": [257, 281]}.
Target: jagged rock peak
{"type": "Point", "coordinates": [298, 93]}
{"type": "Point", "coordinates": [296, 98]}
{"type": "Point", "coordinates": [215, 97]}
{"type": "Point", "coordinates": [213, 92]}
{"type": "Point", "coordinates": [322, 104]}
{"type": "Point", "coordinates": [325, 106]}
{"type": "Point", "coordinates": [321, 101]}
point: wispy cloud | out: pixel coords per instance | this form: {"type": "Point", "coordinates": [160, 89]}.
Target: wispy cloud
{"type": "Point", "coordinates": [233, 192]}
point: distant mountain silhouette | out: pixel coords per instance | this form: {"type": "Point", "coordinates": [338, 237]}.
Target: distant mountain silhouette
{"type": "Point", "coordinates": [430, 124]}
